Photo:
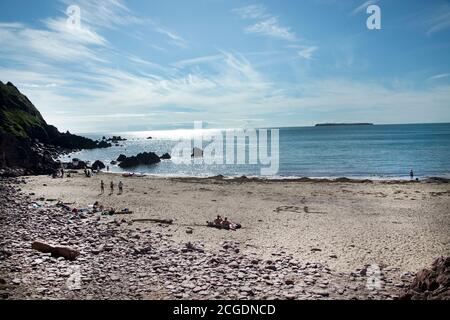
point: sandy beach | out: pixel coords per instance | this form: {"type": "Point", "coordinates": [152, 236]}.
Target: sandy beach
{"type": "Point", "coordinates": [346, 226]}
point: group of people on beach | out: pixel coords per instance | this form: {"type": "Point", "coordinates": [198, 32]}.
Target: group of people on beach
{"type": "Point", "coordinates": [224, 224]}
{"type": "Point", "coordinates": [111, 187]}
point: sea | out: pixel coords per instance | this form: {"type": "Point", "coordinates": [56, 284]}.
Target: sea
{"type": "Point", "coordinates": [353, 151]}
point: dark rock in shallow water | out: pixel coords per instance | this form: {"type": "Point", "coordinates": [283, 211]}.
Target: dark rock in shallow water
{"type": "Point", "coordinates": [98, 165]}
{"type": "Point", "coordinates": [121, 158]}
{"type": "Point", "coordinates": [145, 158]}
{"type": "Point", "coordinates": [116, 138]}
{"type": "Point", "coordinates": [165, 156]}
{"type": "Point", "coordinates": [431, 284]}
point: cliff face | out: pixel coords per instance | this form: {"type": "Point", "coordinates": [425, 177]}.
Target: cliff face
{"type": "Point", "coordinates": [26, 140]}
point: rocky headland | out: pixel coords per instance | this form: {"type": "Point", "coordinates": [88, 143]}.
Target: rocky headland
{"type": "Point", "coordinates": [28, 144]}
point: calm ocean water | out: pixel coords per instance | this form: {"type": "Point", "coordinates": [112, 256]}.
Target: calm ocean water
{"type": "Point", "coordinates": [375, 152]}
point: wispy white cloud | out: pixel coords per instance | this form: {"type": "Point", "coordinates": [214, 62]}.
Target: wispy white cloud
{"type": "Point", "coordinates": [267, 24]}
{"type": "Point", "coordinates": [439, 76]}
{"type": "Point", "coordinates": [198, 60]}
{"type": "Point", "coordinates": [271, 27]}
{"type": "Point", "coordinates": [56, 43]}
{"type": "Point", "coordinates": [363, 6]}
{"type": "Point", "coordinates": [254, 11]}
{"type": "Point", "coordinates": [174, 38]}
{"type": "Point", "coordinates": [305, 52]}
{"type": "Point", "coordinates": [440, 19]}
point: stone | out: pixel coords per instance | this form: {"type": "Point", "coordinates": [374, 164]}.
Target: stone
{"type": "Point", "coordinates": [98, 165]}
{"type": "Point", "coordinates": [144, 158]}
{"type": "Point", "coordinates": [433, 283]}
{"type": "Point", "coordinates": [289, 281]}
{"type": "Point", "coordinates": [320, 292]}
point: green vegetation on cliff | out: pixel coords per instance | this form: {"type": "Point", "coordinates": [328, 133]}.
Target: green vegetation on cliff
{"type": "Point", "coordinates": [22, 125]}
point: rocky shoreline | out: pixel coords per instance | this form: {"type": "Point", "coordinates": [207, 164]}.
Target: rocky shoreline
{"type": "Point", "coordinates": [120, 260]}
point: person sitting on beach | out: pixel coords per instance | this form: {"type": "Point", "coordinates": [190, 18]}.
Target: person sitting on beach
{"type": "Point", "coordinates": [226, 224]}
{"type": "Point", "coordinates": [120, 187]}
{"type": "Point", "coordinates": [102, 186]}
{"type": "Point", "coordinates": [218, 220]}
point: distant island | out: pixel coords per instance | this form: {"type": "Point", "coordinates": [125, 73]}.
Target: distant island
{"type": "Point", "coordinates": [343, 124]}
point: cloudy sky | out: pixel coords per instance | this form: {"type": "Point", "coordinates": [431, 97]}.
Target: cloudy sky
{"type": "Point", "coordinates": [144, 65]}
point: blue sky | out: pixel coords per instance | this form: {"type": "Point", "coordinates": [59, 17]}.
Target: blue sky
{"type": "Point", "coordinates": [146, 65]}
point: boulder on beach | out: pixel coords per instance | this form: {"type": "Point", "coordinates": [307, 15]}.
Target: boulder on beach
{"type": "Point", "coordinates": [431, 284]}
{"type": "Point", "coordinates": [98, 165]}
{"type": "Point", "coordinates": [165, 156]}
{"type": "Point", "coordinates": [76, 164]}
{"type": "Point", "coordinates": [145, 158]}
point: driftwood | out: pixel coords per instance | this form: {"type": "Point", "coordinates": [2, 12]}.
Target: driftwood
{"type": "Point", "coordinates": [165, 221]}
{"type": "Point", "coordinates": [64, 252]}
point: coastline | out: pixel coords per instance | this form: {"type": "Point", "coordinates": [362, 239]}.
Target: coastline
{"type": "Point", "coordinates": [294, 179]}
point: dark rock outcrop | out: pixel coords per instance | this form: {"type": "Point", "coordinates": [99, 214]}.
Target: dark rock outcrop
{"type": "Point", "coordinates": [165, 156]}
{"type": "Point", "coordinates": [26, 140]}
{"type": "Point", "coordinates": [431, 284]}
{"type": "Point", "coordinates": [121, 158]}
{"type": "Point", "coordinates": [98, 165]}
{"type": "Point", "coordinates": [145, 158]}
{"type": "Point", "coordinates": [76, 164]}
{"type": "Point", "coordinates": [115, 139]}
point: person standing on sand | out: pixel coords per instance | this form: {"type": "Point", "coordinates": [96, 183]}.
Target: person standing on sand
{"type": "Point", "coordinates": [120, 187]}
{"type": "Point", "coordinates": [411, 174]}
{"type": "Point", "coordinates": [102, 186]}
{"type": "Point", "coordinates": [107, 168]}
{"type": "Point", "coordinates": [111, 186]}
